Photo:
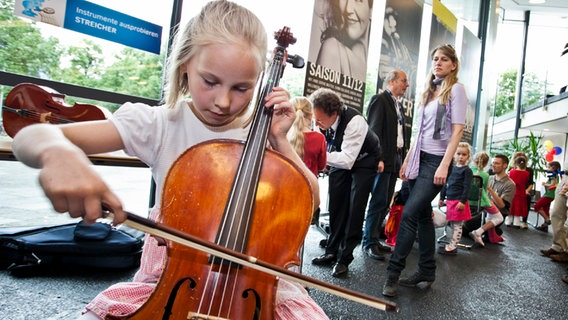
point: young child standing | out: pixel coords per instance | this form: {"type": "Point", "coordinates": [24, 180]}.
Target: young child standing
{"type": "Point", "coordinates": [456, 193]}
{"type": "Point", "coordinates": [217, 60]}
{"type": "Point", "coordinates": [494, 216]}
{"type": "Point", "coordinates": [310, 145]}
{"type": "Point", "coordinates": [528, 189]}
{"type": "Point", "coordinates": [520, 177]}
{"type": "Point", "coordinates": [542, 206]}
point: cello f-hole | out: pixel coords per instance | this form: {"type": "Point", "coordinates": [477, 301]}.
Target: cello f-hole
{"type": "Point", "coordinates": [172, 298]}
{"type": "Point", "coordinates": [258, 302]}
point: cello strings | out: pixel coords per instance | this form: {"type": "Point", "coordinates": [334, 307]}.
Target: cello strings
{"type": "Point", "coordinates": [244, 198]}
{"type": "Point", "coordinates": [37, 116]}
{"type": "Point", "coordinates": [242, 201]}
{"type": "Point", "coordinates": [215, 272]}
{"type": "Point", "coordinates": [239, 201]}
{"type": "Point", "coordinates": [246, 215]}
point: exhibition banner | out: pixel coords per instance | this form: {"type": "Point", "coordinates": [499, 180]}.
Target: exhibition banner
{"type": "Point", "coordinates": [470, 58]}
{"type": "Point", "coordinates": [400, 46]}
{"type": "Point", "coordinates": [339, 44]}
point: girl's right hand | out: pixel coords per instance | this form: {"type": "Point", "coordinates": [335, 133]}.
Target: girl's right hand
{"type": "Point", "coordinates": [72, 185]}
{"type": "Point", "coordinates": [67, 176]}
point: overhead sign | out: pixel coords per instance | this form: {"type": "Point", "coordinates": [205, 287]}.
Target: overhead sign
{"type": "Point", "coordinates": [94, 20]}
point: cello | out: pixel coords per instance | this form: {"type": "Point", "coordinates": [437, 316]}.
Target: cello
{"type": "Point", "coordinates": [233, 196]}
{"type": "Point", "coordinates": [198, 198]}
{"type": "Point", "coordinates": [29, 103]}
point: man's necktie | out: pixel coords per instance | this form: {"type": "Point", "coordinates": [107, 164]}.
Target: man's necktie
{"type": "Point", "coordinates": [329, 134]}
{"type": "Point", "coordinates": [400, 112]}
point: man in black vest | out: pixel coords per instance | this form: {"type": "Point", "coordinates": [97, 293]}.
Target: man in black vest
{"type": "Point", "coordinates": [353, 156]}
{"type": "Point", "coordinates": [385, 116]}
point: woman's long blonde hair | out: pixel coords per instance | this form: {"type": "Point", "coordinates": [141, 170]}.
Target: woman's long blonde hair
{"type": "Point", "coordinates": [449, 80]}
{"type": "Point", "coordinates": [303, 118]}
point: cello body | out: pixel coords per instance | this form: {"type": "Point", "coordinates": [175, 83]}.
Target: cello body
{"type": "Point", "coordinates": [193, 201]}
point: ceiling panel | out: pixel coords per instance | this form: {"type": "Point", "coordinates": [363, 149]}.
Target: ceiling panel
{"type": "Point", "coordinates": [550, 13]}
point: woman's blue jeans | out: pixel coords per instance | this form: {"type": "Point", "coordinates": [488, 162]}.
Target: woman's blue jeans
{"type": "Point", "coordinates": [417, 218]}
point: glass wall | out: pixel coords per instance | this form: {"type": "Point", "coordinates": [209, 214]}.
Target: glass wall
{"type": "Point", "coordinates": [546, 41]}
{"type": "Point", "coordinates": [545, 73]}
{"type": "Point", "coordinates": [36, 44]}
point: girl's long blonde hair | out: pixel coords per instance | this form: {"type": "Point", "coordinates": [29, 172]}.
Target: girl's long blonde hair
{"type": "Point", "coordinates": [449, 80]}
{"type": "Point", "coordinates": [219, 22]}
{"type": "Point", "coordinates": [304, 113]}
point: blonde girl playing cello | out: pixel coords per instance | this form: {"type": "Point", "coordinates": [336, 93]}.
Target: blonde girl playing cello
{"type": "Point", "coordinates": [217, 60]}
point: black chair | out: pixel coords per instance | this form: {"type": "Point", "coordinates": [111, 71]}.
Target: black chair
{"type": "Point", "coordinates": [475, 192]}
{"type": "Point", "coordinates": [535, 196]}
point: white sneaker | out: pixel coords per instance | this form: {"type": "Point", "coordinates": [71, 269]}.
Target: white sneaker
{"type": "Point", "coordinates": [517, 222]}
{"type": "Point", "coordinates": [477, 238]}
{"type": "Point", "coordinates": [508, 220]}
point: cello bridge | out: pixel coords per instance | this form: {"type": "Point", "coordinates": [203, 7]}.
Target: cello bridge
{"type": "Point", "coordinates": [200, 316]}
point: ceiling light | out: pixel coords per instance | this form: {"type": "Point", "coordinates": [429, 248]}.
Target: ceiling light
{"type": "Point", "coordinates": [537, 1]}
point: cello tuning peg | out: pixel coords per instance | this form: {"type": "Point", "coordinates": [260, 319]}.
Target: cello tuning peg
{"type": "Point", "coordinates": [296, 61]}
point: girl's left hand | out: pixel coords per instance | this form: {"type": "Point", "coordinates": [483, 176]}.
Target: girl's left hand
{"type": "Point", "coordinates": [284, 113]}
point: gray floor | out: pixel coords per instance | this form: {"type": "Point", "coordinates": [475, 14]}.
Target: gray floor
{"type": "Point", "coordinates": [508, 281]}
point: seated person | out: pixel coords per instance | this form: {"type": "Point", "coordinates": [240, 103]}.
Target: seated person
{"type": "Point", "coordinates": [501, 190]}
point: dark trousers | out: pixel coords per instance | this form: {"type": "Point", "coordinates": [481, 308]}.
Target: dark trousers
{"type": "Point", "coordinates": [381, 196]}
{"type": "Point", "coordinates": [348, 195]}
{"type": "Point", "coordinates": [417, 218]}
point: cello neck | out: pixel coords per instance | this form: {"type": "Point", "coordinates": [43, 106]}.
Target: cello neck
{"type": "Point", "coordinates": [239, 208]}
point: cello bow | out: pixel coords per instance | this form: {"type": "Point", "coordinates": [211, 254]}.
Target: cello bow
{"type": "Point", "coordinates": [159, 230]}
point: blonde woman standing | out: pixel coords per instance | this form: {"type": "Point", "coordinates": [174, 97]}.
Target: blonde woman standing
{"type": "Point", "coordinates": [441, 119]}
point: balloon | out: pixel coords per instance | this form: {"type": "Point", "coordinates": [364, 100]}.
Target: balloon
{"type": "Point", "coordinates": [549, 157]}
{"type": "Point", "coordinates": [558, 150]}
{"type": "Point", "coordinates": [552, 151]}
{"type": "Point", "coordinates": [547, 145]}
